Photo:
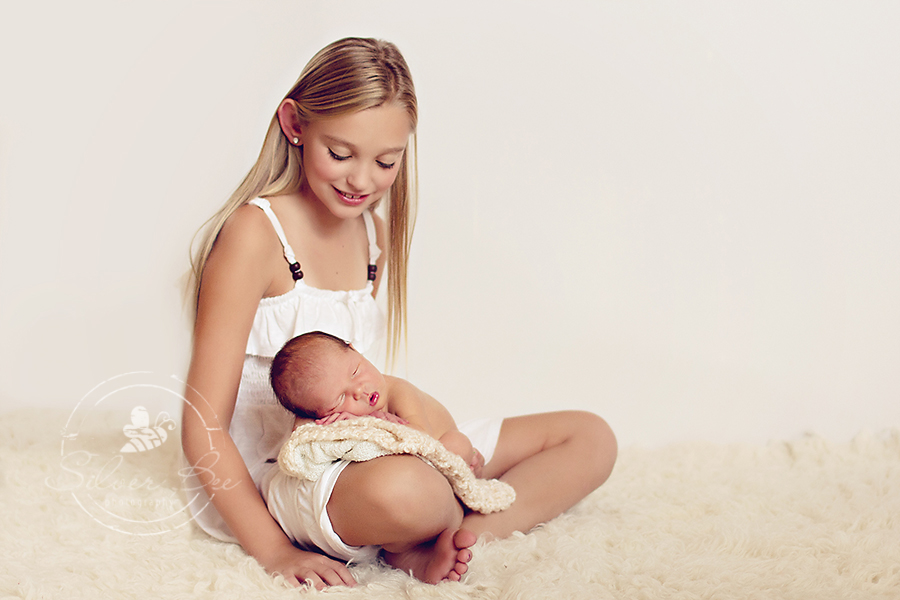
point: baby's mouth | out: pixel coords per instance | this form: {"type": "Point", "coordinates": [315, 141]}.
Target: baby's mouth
{"type": "Point", "coordinates": [373, 399]}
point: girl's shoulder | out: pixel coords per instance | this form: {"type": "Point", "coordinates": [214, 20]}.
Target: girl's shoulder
{"type": "Point", "coordinates": [248, 244]}
{"type": "Point", "coordinates": [246, 258]}
{"type": "Point", "coordinates": [249, 229]}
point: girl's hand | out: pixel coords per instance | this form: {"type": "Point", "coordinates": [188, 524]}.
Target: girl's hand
{"type": "Point", "coordinates": [390, 417]}
{"type": "Point", "coordinates": [299, 567]}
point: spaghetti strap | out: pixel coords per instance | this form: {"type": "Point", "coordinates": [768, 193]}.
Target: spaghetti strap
{"type": "Point", "coordinates": [279, 230]}
{"type": "Point", "coordinates": [371, 236]}
{"type": "Point", "coordinates": [374, 250]}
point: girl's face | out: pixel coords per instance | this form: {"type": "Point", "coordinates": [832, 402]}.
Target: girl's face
{"type": "Point", "coordinates": [350, 161]}
{"type": "Point", "coordinates": [350, 384]}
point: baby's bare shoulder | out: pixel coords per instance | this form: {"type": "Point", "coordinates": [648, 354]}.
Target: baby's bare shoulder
{"type": "Point", "coordinates": [399, 389]}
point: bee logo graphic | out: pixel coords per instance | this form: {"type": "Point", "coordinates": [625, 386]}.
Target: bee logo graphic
{"type": "Point", "coordinates": [144, 437]}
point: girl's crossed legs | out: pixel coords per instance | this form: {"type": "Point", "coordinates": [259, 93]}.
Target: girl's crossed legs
{"type": "Point", "coordinates": [552, 460]}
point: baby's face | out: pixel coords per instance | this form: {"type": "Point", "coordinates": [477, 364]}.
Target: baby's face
{"type": "Point", "coordinates": [351, 384]}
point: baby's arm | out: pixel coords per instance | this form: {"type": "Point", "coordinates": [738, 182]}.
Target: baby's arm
{"type": "Point", "coordinates": [427, 414]}
{"type": "Point", "coordinates": [418, 408]}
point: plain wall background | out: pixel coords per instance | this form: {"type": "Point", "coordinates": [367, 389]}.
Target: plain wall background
{"type": "Point", "coordinates": [683, 216]}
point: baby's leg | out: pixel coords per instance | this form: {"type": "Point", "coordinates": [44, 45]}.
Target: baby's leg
{"type": "Point", "coordinates": [552, 460]}
{"type": "Point", "coordinates": [458, 443]}
{"type": "Point", "coordinates": [409, 509]}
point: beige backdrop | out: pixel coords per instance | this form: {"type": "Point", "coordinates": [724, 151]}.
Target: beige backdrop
{"type": "Point", "coordinates": [683, 216]}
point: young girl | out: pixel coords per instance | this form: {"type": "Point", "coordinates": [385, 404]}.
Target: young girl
{"type": "Point", "coordinates": [297, 248]}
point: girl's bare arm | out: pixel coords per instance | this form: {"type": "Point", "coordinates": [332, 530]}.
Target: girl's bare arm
{"type": "Point", "coordinates": [234, 280]}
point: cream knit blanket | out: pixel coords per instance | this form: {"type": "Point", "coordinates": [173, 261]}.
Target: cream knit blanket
{"type": "Point", "coordinates": [311, 448]}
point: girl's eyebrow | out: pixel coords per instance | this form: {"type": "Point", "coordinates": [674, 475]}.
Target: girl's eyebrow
{"type": "Point", "coordinates": [350, 146]}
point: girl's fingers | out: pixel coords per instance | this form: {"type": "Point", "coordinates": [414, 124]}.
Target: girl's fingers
{"type": "Point", "coordinates": [340, 575]}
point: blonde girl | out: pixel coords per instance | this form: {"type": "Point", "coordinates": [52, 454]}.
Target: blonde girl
{"type": "Point", "coordinates": [297, 249]}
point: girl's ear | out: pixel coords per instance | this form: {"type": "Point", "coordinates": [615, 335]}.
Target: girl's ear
{"type": "Point", "coordinates": [289, 119]}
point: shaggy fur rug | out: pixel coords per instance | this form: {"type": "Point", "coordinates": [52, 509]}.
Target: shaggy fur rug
{"type": "Point", "coordinates": [85, 517]}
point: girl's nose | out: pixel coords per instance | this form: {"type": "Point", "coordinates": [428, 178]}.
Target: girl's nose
{"type": "Point", "coordinates": [359, 179]}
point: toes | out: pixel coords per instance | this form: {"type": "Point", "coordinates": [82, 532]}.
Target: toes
{"type": "Point", "coordinates": [464, 539]}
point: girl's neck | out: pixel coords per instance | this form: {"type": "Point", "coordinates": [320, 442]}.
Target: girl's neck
{"type": "Point", "coordinates": [320, 218]}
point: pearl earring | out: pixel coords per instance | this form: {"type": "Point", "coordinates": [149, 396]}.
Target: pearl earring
{"type": "Point", "coordinates": [296, 140]}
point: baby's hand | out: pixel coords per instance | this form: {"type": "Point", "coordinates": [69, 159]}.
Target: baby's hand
{"type": "Point", "coordinates": [346, 416]}
{"type": "Point", "coordinates": [477, 462]}
{"type": "Point", "coordinates": [335, 417]}
{"type": "Point", "coordinates": [390, 417]}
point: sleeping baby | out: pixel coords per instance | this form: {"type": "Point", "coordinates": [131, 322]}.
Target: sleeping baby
{"type": "Point", "coordinates": [321, 378]}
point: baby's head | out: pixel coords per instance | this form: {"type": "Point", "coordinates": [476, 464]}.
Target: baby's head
{"type": "Point", "coordinates": [317, 374]}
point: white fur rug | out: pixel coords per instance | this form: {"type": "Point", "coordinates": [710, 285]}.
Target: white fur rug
{"type": "Point", "coordinates": [806, 519]}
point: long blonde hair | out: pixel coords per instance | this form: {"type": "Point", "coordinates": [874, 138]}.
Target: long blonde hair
{"type": "Point", "coordinates": [346, 76]}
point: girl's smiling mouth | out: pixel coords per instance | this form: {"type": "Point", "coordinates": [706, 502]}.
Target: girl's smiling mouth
{"type": "Point", "coordinates": [351, 199]}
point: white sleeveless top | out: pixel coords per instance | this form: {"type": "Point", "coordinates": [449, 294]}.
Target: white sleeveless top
{"type": "Point", "coordinates": [260, 425]}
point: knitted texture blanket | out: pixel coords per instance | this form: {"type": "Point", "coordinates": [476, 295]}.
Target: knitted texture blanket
{"type": "Point", "coordinates": [311, 448]}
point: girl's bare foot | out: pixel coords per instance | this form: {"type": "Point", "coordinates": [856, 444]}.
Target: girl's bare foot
{"type": "Point", "coordinates": [446, 557]}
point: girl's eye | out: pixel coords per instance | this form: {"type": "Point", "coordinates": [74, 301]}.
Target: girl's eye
{"type": "Point", "coordinates": [356, 371]}
{"type": "Point", "coordinates": [385, 165]}
{"type": "Point", "coordinates": [336, 156]}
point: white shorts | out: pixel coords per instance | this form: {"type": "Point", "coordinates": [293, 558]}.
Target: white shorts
{"type": "Point", "coordinates": [301, 507]}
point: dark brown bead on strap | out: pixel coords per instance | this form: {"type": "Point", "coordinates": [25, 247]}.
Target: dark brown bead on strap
{"type": "Point", "coordinates": [295, 271]}
{"type": "Point", "coordinates": [373, 271]}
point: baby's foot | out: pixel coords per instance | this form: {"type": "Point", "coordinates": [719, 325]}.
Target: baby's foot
{"type": "Point", "coordinates": [447, 557]}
